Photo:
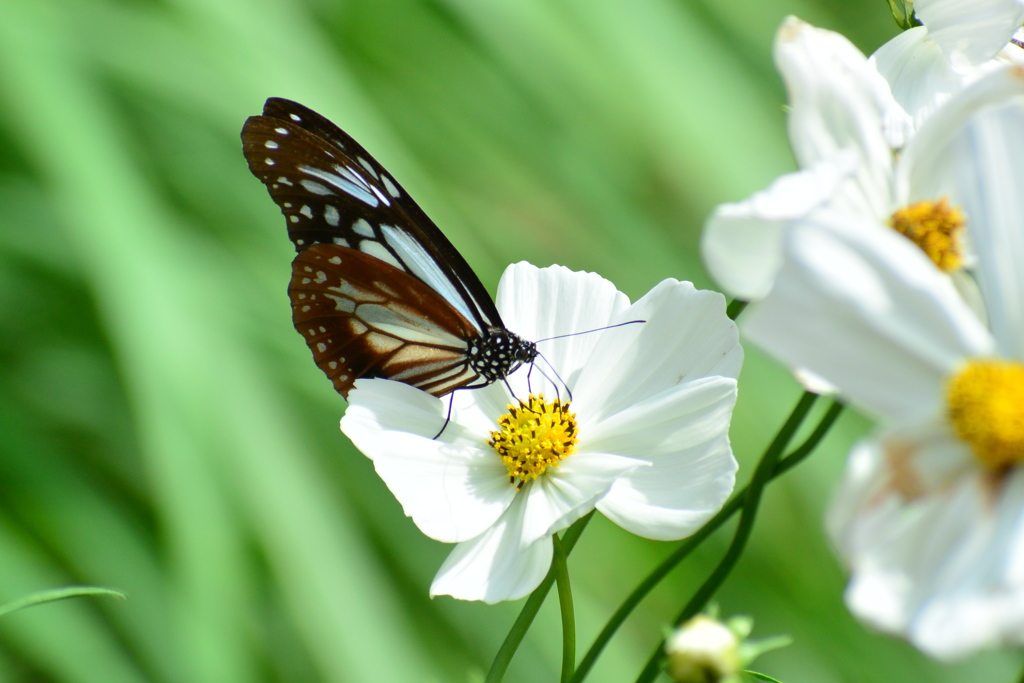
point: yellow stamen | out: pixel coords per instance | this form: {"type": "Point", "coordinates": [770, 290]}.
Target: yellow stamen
{"type": "Point", "coordinates": [934, 227]}
{"type": "Point", "coordinates": [533, 437]}
{"type": "Point", "coordinates": [986, 407]}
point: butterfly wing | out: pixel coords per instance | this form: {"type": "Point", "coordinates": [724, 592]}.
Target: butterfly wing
{"type": "Point", "coordinates": [364, 318]}
{"type": "Point", "coordinates": [332, 191]}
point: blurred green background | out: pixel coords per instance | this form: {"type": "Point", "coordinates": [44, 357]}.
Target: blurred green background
{"type": "Point", "coordinates": [162, 429]}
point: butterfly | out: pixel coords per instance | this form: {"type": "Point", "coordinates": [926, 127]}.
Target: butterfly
{"type": "Point", "coordinates": [376, 290]}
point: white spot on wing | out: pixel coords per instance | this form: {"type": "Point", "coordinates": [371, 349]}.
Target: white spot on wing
{"type": "Point", "coordinates": [293, 218]}
{"type": "Point", "coordinates": [270, 162]}
{"type": "Point", "coordinates": [306, 211]}
{"type": "Point", "coordinates": [270, 144]}
{"type": "Point", "coordinates": [362, 227]}
{"type": "Point", "coordinates": [281, 131]}
{"type": "Point", "coordinates": [345, 184]}
{"type": "Point", "coordinates": [284, 181]}
{"type": "Point", "coordinates": [341, 241]}
{"type": "Point", "coordinates": [336, 260]}
{"type": "Point", "coordinates": [380, 195]}
{"type": "Point", "coordinates": [390, 186]}
{"type": "Point", "coordinates": [331, 216]}
{"type": "Point", "coordinates": [423, 266]}
{"type": "Point", "coordinates": [295, 117]}
{"type": "Point", "coordinates": [366, 164]}
{"type": "Point", "coordinates": [378, 250]}
{"type": "Point", "coordinates": [315, 187]}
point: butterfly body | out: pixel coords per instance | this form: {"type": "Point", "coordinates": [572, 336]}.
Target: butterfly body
{"type": "Point", "coordinates": [377, 290]}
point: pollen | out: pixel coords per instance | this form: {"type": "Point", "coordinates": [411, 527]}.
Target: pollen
{"type": "Point", "coordinates": [935, 227]}
{"type": "Point", "coordinates": [534, 436]}
{"type": "Point", "coordinates": [986, 408]}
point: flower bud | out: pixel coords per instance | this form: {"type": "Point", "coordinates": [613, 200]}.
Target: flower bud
{"type": "Point", "coordinates": [703, 650]}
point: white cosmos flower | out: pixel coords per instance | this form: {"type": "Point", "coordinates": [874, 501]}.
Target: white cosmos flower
{"type": "Point", "coordinates": [960, 40]}
{"type": "Point", "coordinates": [930, 516]}
{"type": "Point", "coordinates": [842, 126]}
{"type": "Point", "coordinates": [651, 404]}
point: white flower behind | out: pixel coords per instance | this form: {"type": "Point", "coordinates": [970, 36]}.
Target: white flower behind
{"type": "Point", "coordinates": [958, 42]}
{"type": "Point", "coordinates": [930, 516]}
{"type": "Point", "coordinates": [650, 411]}
{"type": "Point", "coordinates": [842, 129]}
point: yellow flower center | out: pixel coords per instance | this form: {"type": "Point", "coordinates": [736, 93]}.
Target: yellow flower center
{"type": "Point", "coordinates": [533, 437]}
{"type": "Point", "coordinates": [934, 227]}
{"type": "Point", "coordinates": [986, 407]}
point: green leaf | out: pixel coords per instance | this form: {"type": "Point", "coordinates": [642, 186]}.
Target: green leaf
{"type": "Point", "coordinates": [761, 677]}
{"type": "Point", "coordinates": [54, 594]}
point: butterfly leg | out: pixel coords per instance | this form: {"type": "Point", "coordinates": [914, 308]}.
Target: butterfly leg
{"type": "Point", "coordinates": [448, 418]}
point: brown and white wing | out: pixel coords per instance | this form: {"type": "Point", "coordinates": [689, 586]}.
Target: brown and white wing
{"type": "Point", "coordinates": [363, 317]}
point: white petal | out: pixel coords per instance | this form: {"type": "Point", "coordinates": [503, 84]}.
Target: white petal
{"type": "Point", "coordinates": [839, 101]}
{"type": "Point", "coordinates": [931, 164]}
{"type": "Point", "coordinates": [973, 152]}
{"type": "Point", "coordinates": [566, 493]}
{"type": "Point", "coordinates": [684, 434]}
{"type": "Point", "coordinates": [496, 565]}
{"type": "Point", "coordinates": [686, 336]}
{"type": "Point", "coordinates": [970, 32]}
{"type": "Point", "coordinates": [453, 488]}
{"type": "Point", "coordinates": [920, 76]}
{"type": "Point", "coordinates": [383, 404]}
{"type": "Point", "coordinates": [936, 558]}
{"type": "Point", "coordinates": [538, 303]}
{"type": "Point", "coordinates": [866, 310]}
{"type": "Point", "coordinates": [742, 243]}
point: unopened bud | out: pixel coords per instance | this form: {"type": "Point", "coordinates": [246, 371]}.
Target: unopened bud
{"type": "Point", "coordinates": [703, 650]}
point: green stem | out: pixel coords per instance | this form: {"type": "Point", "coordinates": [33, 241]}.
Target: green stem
{"type": "Point", "coordinates": [561, 569]}
{"type": "Point", "coordinates": [690, 544]}
{"type": "Point", "coordinates": [532, 606]}
{"type": "Point", "coordinates": [735, 308]}
{"type": "Point", "coordinates": [762, 475]}
{"type": "Point", "coordinates": [1021, 679]}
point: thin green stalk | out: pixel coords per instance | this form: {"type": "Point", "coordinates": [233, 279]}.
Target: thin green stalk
{"type": "Point", "coordinates": [762, 475]}
{"type": "Point", "coordinates": [561, 570]}
{"type": "Point", "coordinates": [532, 606]}
{"type": "Point", "coordinates": [735, 308]}
{"type": "Point", "coordinates": [690, 544]}
{"type": "Point", "coordinates": [52, 595]}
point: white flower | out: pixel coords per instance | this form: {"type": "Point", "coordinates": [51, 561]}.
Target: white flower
{"type": "Point", "coordinates": [930, 516]}
{"type": "Point", "coordinates": [651, 405]}
{"type": "Point", "coordinates": [841, 128]}
{"type": "Point", "coordinates": [843, 125]}
{"type": "Point", "coordinates": [958, 42]}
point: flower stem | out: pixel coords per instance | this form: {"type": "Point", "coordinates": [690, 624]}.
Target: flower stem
{"type": "Point", "coordinates": [735, 307]}
{"type": "Point", "coordinates": [532, 606]}
{"type": "Point", "coordinates": [690, 544]}
{"type": "Point", "coordinates": [561, 570]}
{"type": "Point", "coordinates": [762, 475]}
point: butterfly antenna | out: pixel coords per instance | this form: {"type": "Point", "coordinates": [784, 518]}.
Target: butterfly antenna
{"type": "Point", "coordinates": [596, 329]}
{"type": "Point", "coordinates": [448, 418]}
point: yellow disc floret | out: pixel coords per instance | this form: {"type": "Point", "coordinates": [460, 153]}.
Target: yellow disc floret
{"type": "Point", "coordinates": [986, 408]}
{"type": "Point", "coordinates": [935, 227]}
{"type": "Point", "coordinates": [534, 436]}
